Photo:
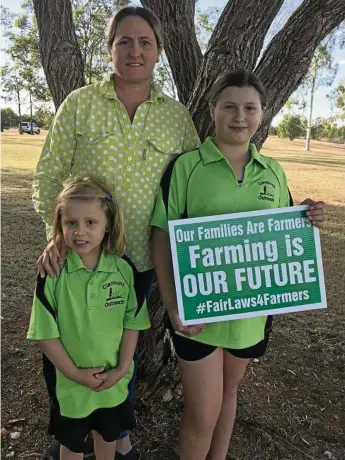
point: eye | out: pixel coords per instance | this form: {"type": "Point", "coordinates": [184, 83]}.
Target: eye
{"type": "Point", "coordinates": [251, 108]}
{"type": "Point", "coordinates": [70, 223]}
{"type": "Point", "coordinates": [145, 43]}
{"type": "Point", "coordinates": [123, 43]}
{"type": "Point", "coordinates": [230, 107]}
{"type": "Point", "coordinates": [91, 223]}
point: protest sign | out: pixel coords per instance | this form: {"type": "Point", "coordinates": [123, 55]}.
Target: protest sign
{"type": "Point", "coordinates": [246, 264]}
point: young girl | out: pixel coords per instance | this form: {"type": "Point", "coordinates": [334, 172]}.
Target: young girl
{"type": "Point", "coordinates": [86, 322]}
{"type": "Point", "coordinates": [225, 175]}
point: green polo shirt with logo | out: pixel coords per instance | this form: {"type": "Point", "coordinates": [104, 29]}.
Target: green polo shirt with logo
{"type": "Point", "coordinates": [202, 183]}
{"type": "Point", "coordinates": [88, 310]}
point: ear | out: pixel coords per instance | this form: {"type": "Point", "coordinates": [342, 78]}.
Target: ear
{"type": "Point", "coordinates": [159, 51]}
{"type": "Point", "coordinates": [211, 111]}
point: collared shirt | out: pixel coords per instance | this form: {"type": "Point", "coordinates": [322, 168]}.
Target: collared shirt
{"type": "Point", "coordinates": [88, 310]}
{"type": "Point", "coordinates": [202, 183]}
{"type": "Point", "coordinates": [92, 135]}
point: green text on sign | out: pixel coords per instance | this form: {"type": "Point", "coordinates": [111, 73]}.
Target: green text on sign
{"type": "Point", "coordinates": [247, 264]}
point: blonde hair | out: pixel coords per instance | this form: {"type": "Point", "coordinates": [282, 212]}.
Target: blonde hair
{"type": "Point", "coordinates": [91, 189]}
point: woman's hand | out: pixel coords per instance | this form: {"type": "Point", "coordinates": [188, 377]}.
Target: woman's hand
{"type": "Point", "coordinates": [186, 330]}
{"type": "Point", "coordinates": [316, 212]}
{"type": "Point", "coordinates": [49, 262]}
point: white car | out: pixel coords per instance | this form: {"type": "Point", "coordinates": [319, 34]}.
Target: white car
{"type": "Point", "coordinates": [26, 128]}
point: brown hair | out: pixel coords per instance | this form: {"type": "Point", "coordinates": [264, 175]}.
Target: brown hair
{"type": "Point", "coordinates": [144, 13]}
{"type": "Point", "coordinates": [91, 189]}
{"type": "Point", "coordinates": [239, 78]}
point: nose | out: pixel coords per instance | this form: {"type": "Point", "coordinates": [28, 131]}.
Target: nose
{"type": "Point", "coordinates": [80, 230]}
{"type": "Point", "coordinates": [240, 114]}
{"type": "Point", "coordinates": [134, 49]}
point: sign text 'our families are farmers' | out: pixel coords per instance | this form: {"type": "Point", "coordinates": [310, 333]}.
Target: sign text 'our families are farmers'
{"type": "Point", "coordinates": [247, 264]}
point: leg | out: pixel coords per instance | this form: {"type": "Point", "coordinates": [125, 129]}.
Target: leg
{"type": "Point", "coordinates": [66, 454]}
{"type": "Point", "coordinates": [202, 383]}
{"type": "Point", "coordinates": [234, 369]}
{"type": "Point", "coordinates": [103, 450]}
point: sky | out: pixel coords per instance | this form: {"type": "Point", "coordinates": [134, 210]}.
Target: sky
{"type": "Point", "coordinates": [322, 106]}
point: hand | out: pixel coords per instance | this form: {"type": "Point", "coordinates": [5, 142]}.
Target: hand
{"type": "Point", "coordinates": [91, 377]}
{"type": "Point", "coordinates": [49, 262]}
{"type": "Point", "coordinates": [186, 330]}
{"type": "Point", "coordinates": [316, 212]}
{"type": "Point", "coordinates": [109, 378]}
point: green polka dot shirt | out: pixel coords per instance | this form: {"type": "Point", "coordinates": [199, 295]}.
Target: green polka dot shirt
{"type": "Point", "coordinates": [92, 135]}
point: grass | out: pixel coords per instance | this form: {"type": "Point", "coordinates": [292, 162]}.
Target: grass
{"type": "Point", "coordinates": [291, 403]}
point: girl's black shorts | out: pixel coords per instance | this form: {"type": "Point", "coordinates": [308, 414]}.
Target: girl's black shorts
{"type": "Point", "coordinates": [191, 350]}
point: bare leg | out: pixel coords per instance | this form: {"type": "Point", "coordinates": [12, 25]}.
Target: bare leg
{"type": "Point", "coordinates": [234, 370]}
{"type": "Point", "coordinates": [103, 450]}
{"type": "Point", "coordinates": [202, 390]}
{"type": "Point", "coordinates": [66, 454]}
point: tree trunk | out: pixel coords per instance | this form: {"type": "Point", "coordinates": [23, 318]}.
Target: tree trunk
{"type": "Point", "coordinates": [60, 53]}
{"type": "Point", "coordinates": [180, 42]}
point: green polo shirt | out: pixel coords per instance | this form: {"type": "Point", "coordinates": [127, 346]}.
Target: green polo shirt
{"type": "Point", "coordinates": [92, 134]}
{"type": "Point", "coordinates": [88, 310]}
{"type": "Point", "coordinates": [202, 183]}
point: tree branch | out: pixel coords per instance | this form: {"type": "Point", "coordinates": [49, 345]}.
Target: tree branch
{"type": "Point", "coordinates": [289, 55]}
{"type": "Point", "coordinates": [181, 44]}
{"type": "Point", "coordinates": [235, 44]}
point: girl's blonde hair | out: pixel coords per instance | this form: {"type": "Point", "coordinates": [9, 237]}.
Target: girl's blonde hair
{"type": "Point", "coordinates": [90, 189]}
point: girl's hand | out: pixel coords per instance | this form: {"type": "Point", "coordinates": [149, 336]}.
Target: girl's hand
{"type": "Point", "coordinates": [49, 262]}
{"type": "Point", "coordinates": [316, 212]}
{"type": "Point", "coordinates": [87, 377]}
{"type": "Point", "coordinates": [109, 379]}
{"type": "Point", "coordinates": [186, 330]}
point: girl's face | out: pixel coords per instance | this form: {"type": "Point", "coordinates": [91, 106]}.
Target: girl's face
{"type": "Point", "coordinates": [84, 224]}
{"type": "Point", "coordinates": [237, 115]}
{"type": "Point", "coordinates": [134, 50]}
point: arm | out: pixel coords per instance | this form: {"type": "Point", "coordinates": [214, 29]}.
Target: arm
{"type": "Point", "coordinates": [162, 260]}
{"type": "Point", "coordinates": [53, 167]}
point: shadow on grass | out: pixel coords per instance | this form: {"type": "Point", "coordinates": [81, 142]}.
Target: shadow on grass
{"type": "Point", "coordinates": [336, 163]}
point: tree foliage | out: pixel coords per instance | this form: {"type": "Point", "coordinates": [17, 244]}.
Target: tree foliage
{"type": "Point", "coordinates": [9, 119]}
{"type": "Point", "coordinates": [292, 126]}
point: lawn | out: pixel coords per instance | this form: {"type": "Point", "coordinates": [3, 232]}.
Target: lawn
{"type": "Point", "coordinates": [292, 401]}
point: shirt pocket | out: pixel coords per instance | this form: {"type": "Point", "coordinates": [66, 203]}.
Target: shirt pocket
{"type": "Point", "coordinates": [157, 155]}
{"type": "Point", "coordinates": [90, 151]}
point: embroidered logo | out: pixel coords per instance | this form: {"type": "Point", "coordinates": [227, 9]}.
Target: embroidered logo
{"type": "Point", "coordinates": [113, 298]}
{"type": "Point", "coordinates": [267, 190]}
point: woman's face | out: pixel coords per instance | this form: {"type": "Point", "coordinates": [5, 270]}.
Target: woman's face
{"type": "Point", "coordinates": [134, 51]}
{"type": "Point", "coordinates": [237, 114]}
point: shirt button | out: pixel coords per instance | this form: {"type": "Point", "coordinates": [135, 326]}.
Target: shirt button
{"type": "Point", "coordinates": [92, 296]}
{"type": "Point", "coordinates": [91, 282]}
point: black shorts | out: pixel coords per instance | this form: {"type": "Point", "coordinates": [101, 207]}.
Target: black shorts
{"type": "Point", "coordinates": [191, 350]}
{"type": "Point", "coordinates": [72, 432]}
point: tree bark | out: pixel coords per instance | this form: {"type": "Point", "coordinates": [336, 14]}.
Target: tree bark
{"type": "Point", "coordinates": [180, 41]}
{"type": "Point", "coordinates": [60, 53]}
{"type": "Point", "coordinates": [289, 55]}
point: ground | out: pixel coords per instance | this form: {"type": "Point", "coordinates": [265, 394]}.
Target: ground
{"type": "Point", "coordinates": [291, 403]}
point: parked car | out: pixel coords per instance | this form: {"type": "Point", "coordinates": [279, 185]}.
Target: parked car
{"type": "Point", "coordinates": [26, 128]}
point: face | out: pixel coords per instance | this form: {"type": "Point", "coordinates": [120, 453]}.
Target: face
{"type": "Point", "coordinates": [134, 51]}
{"type": "Point", "coordinates": [237, 115]}
{"type": "Point", "coordinates": [84, 224]}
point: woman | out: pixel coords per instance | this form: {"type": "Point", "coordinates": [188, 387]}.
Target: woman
{"type": "Point", "coordinates": [124, 130]}
{"type": "Point", "coordinates": [213, 358]}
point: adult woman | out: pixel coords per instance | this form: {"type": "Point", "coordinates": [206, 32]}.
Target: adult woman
{"type": "Point", "coordinates": [123, 129]}
{"type": "Point", "coordinates": [213, 358]}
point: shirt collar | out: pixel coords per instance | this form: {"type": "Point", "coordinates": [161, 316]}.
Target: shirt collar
{"type": "Point", "coordinates": [106, 87]}
{"type": "Point", "coordinates": [107, 263]}
{"type": "Point", "coordinates": [209, 153]}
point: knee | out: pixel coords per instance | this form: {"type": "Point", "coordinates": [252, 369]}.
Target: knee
{"type": "Point", "coordinates": [201, 422]}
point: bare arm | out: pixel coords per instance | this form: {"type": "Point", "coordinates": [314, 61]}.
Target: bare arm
{"type": "Point", "coordinates": [56, 353]}
{"type": "Point", "coordinates": [162, 260]}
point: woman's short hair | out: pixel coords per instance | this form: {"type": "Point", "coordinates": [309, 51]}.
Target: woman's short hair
{"type": "Point", "coordinates": [143, 13]}
{"type": "Point", "coordinates": [239, 78]}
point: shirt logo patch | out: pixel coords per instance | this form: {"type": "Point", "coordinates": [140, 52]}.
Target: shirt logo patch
{"type": "Point", "coordinates": [267, 190]}
{"type": "Point", "coordinates": [113, 298]}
